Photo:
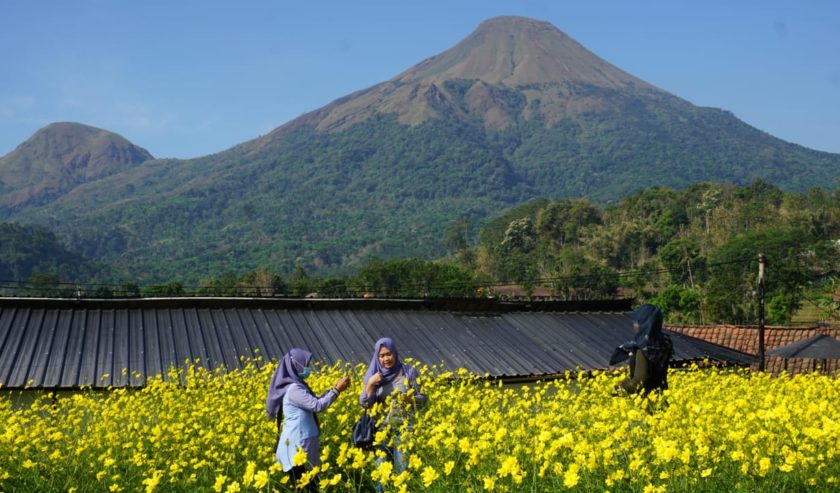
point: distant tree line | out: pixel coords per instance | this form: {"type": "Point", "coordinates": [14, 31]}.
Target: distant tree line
{"type": "Point", "coordinates": [394, 278]}
{"type": "Point", "coordinates": [692, 251]}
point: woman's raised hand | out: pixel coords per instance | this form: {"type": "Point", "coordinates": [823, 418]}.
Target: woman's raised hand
{"type": "Point", "coordinates": [372, 382]}
{"type": "Point", "coordinates": [342, 383]}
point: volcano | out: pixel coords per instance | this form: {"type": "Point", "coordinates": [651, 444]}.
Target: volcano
{"type": "Point", "coordinates": [515, 111]}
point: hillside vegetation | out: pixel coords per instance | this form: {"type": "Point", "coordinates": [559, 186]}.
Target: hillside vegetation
{"type": "Point", "coordinates": [694, 252]}
{"type": "Point", "coordinates": [57, 159]}
{"type": "Point", "coordinates": [32, 256]}
{"type": "Point", "coordinates": [330, 201]}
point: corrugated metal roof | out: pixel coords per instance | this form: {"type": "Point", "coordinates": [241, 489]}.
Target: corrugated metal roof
{"type": "Point", "coordinates": [819, 346]}
{"type": "Point", "coordinates": [102, 343]}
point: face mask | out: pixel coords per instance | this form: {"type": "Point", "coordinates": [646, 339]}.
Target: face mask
{"type": "Point", "coordinates": [305, 372]}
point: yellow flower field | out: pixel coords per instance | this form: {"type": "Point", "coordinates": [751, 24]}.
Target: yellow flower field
{"type": "Point", "coordinates": [206, 431]}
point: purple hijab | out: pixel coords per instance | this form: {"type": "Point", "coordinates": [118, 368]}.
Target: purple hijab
{"type": "Point", "coordinates": [286, 374]}
{"type": "Point", "coordinates": [388, 374]}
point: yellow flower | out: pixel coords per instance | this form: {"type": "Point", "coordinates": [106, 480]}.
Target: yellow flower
{"type": "Point", "coordinates": [383, 473]}
{"type": "Point", "coordinates": [335, 479]}
{"type": "Point", "coordinates": [401, 479]}
{"type": "Point", "coordinates": [429, 476]}
{"type": "Point", "coordinates": [248, 477]}
{"type": "Point", "coordinates": [763, 466]}
{"type": "Point", "coordinates": [359, 459]}
{"type": "Point", "coordinates": [510, 467]}
{"type": "Point", "coordinates": [472, 432]}
{"type": "Point", "coordinates": [501, 433]}
{"type": "Point", "coordinates": [220, 482]}
{"type": "Point", "coordinates": [152, 482]}
{"type": "Point", "coordinates": [260, 480]}
{"type": "Point", "coordinates": [306, 477]}
{"type": "Point", "coordinates": [571, 476]}
{"type": "Point", "coordinates": [489, 483]}
{"type": "Point", "coordinates": [415, 462]}
{"type": "Point", "coordinates": [381, 435]}
{"type": "Point", "coordinates": [300, 458]}
{"type": "Point", "coordinates": [327, 482]}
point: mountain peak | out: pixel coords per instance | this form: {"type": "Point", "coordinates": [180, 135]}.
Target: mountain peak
{"type": "Point", "coordinates": [551, 71]}
{"type": "Point", "coordinates": [61, 156]}
{"type": "Point", "coordinates": [517, 51]}
{"type": "Point", "coordinates": [82, 146]}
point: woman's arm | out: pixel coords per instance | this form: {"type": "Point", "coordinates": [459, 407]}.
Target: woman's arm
{"type": "Point", "coordinates": [304, 400]}
{"type": "Point", "coordinates": [369, 394]}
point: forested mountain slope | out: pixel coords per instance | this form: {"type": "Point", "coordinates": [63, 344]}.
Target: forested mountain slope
{"type": "Point", "coordinates": [515, 111]}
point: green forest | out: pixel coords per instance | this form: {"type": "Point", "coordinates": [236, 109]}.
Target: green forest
{"type": "Point", "coordinates": [331, 201]}
{"type": "Point", "coordinates": [694, 252]}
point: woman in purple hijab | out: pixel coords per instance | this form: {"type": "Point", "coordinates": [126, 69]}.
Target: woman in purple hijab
{"type": "Point", "coordinates": [387, 375]}
{"type": "Point", "coordinates": [291, 402]}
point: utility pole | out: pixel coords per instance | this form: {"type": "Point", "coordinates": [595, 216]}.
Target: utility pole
{"type": "Point", "coordinates": [762, 262]}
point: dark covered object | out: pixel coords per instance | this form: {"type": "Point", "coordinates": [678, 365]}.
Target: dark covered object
{"type": "Point", "coordinates": [364, 431]}
{"type": "Point", "coordinates": [650, 352]}
{"type": "Point", "coordinates": [816, 347]}
{"type": "Point", "coordinates": [650, 340]}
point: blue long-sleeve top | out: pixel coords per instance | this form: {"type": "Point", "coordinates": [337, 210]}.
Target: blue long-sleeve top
{"type": "Point", "coordinates": [300, 430]}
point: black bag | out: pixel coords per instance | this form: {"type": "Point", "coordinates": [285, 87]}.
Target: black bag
{"type": "Point", "coordinates": [364, 431]}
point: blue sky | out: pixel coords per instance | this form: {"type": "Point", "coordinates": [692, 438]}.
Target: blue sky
{"type": "Point", "coordinates": [189, 78]}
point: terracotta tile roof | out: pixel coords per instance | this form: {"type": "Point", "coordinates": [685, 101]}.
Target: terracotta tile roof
{"type": "Point", "coordinates": [745, 339]}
